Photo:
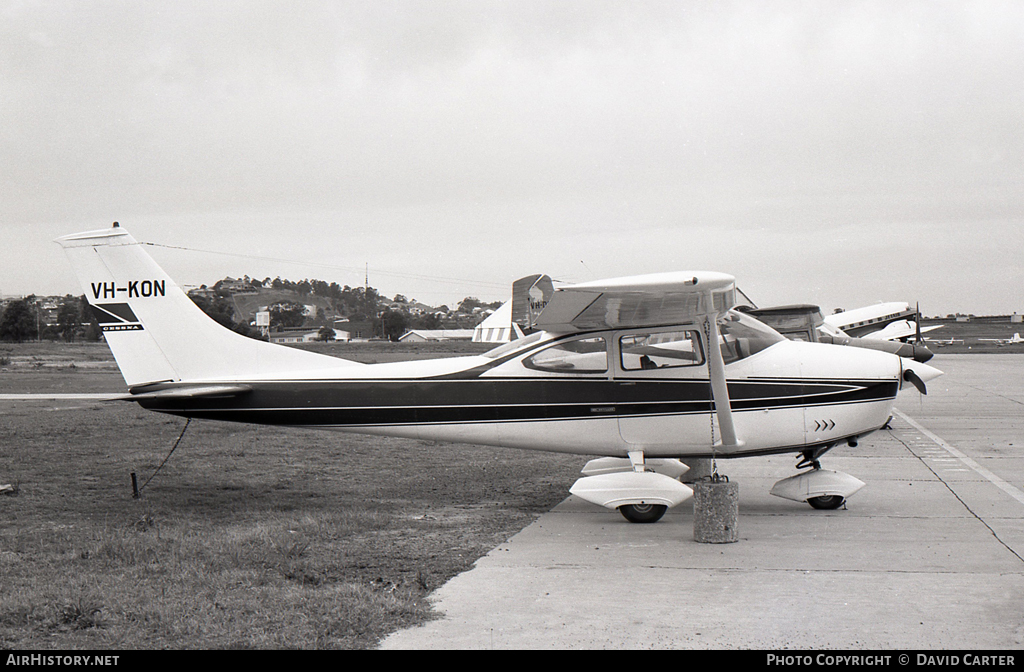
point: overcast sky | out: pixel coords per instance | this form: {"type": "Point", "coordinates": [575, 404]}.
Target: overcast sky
{"type": "Point", "coordinates": [837, 153]}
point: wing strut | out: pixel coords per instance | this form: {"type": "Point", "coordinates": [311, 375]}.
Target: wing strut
{"type": "Point", "coordinates": [719, 389]}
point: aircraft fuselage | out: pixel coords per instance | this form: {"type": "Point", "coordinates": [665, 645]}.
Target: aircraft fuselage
{"type": "Point", "coordinates": [811, 396]}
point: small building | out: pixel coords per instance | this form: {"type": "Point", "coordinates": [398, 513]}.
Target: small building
{"type": "Point", "coordinates": [424, 335]}
{"type": "Point", "coordinates": [304, 336]}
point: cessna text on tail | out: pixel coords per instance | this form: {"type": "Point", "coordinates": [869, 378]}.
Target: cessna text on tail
{"type": "Point", "coordinates": [639, 371]}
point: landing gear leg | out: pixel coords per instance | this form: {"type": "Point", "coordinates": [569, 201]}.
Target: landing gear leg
{"type": "Point", "coordinates": [641, 513]}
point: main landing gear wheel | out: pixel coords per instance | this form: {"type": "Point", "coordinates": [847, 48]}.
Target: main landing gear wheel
{"type": "Point", "coordinates": [827, 501]}
{"type": "Point", "coordinates": [643, 513]}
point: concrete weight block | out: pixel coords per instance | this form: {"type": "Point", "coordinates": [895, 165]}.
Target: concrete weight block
{"type": "Point", "coordinates": [716, 507]}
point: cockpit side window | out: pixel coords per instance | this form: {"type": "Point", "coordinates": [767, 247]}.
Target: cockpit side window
{"type": "Point", "coordinates": [660, 350]}
{"type": "Point", "coordinates": [581, 355]}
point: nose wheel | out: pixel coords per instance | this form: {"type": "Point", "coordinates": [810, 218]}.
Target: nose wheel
{"type": "Point", "coordinates": [823, 489]}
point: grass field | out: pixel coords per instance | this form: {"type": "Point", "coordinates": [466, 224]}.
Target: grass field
{"type": "Point", "coordinates": [249, 537]}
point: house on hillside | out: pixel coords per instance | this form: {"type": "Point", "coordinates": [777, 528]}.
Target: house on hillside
{"type": "Point", "coordinates": [233, 286]}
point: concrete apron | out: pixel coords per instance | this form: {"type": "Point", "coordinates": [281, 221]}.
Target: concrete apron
{"type": "Point", "coordinates": [927, 556]}
{"type": "Point", "coordinates": [906, 566]}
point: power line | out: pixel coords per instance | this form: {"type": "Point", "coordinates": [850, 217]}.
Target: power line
{"type": "Point", "coordinates": [350, 269]}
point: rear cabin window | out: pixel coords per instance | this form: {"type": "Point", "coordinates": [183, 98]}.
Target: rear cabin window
{"type": "Point", "coordinates": [583, 355]}
{"type": "Point", "coordinates": [661, 350]}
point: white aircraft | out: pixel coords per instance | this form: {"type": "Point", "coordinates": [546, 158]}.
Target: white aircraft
{"type": "Point", "coordinates": [882, 321]}
{"type": "Point", "coordinates": [1004, 341]}
{"type": "Point", "coordinates": [804, 322]}
{"type": "Point", "coordinates": [618, 368]}
{"type": "Point", "coordinates": [943, 341]}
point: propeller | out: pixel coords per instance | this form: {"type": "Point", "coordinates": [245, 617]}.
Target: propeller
{"type": "Point", "coordinates": [915, 380]}
{"type": "Point", "coordinates": [918, 351]}
{"type": "Point", "coordinates": [917, 373]}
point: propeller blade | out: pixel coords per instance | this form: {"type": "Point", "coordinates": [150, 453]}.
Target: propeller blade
{"type": "Point", "coordinates": [913, 378]}
{"type": "Point", "coordinates": [917, 321]}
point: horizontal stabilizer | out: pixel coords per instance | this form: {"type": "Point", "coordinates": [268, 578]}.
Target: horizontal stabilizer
{"type": "Point", "coordinates": [189, 392]}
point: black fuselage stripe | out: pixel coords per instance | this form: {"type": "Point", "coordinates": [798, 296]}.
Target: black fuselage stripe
{"type": "Point", "coordinates": [432, 402]}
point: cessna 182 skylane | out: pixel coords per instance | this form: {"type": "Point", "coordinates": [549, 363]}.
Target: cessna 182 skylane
{"type": "Point", "coordinates": [618, 368]}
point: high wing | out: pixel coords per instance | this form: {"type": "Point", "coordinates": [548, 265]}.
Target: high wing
{"type": "Point", "coordinates": [653, 300]}
{"type": "Point", "coordinates": [657, 299]}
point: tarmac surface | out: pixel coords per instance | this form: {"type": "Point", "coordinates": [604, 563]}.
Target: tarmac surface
{"type": "Point", "coordinates": [928, 556]}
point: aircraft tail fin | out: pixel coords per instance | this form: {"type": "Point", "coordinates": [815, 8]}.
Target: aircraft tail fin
{"type": "Point", "coordinates": [155, 331]}
{"type": "Point", "coordinates": [529, 296]}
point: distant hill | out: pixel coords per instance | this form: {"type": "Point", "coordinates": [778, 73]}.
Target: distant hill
{"type": "Point", "coordinates": [244, 298]}
{"type": "Point", "coordinates": [247, 305]}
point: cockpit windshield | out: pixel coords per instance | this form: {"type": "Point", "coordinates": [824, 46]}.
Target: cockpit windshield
{"type": "Point", "coordinates": [742, 336]}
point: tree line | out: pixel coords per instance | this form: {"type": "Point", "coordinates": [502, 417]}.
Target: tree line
{"type": "Point", "coordinates": [24, 319]}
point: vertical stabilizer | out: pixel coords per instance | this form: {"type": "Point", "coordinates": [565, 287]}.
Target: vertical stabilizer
{"type": "Point", "coordinates": [153, 328]}
{"type": "Point", "coordinates": [529, 296]}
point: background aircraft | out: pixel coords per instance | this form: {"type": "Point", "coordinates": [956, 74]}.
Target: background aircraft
{"type": "Point", "coordinates": [888, 321]}
{"type": "Point", "coordinates": [641, 371]}
{"type": "Point", "coordinates": [804, 322]}
{"type": "Point", "coordinates": [1005, 341]}
{"type": "Point", "coordinates": [943, 341]}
